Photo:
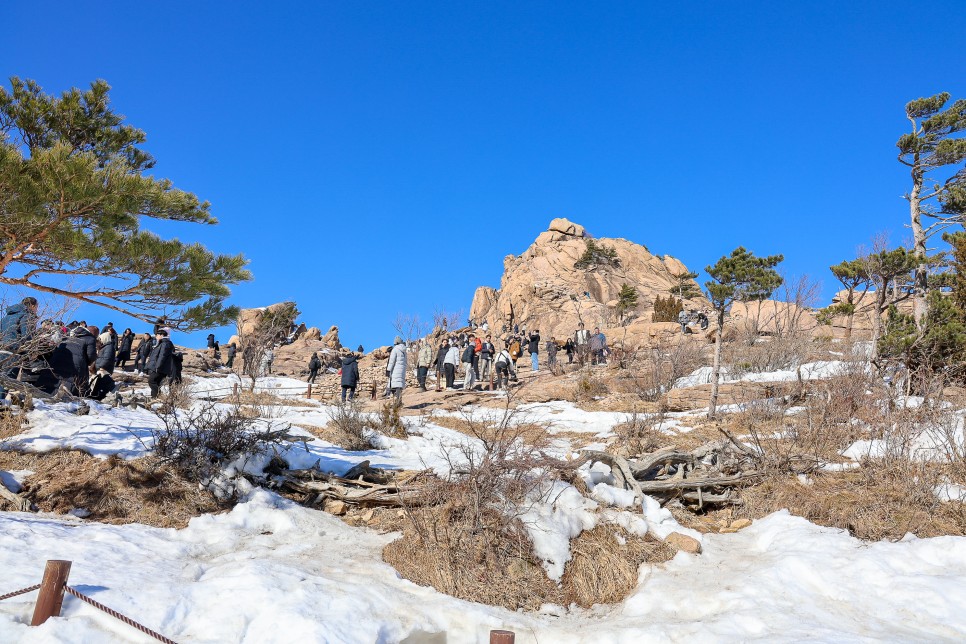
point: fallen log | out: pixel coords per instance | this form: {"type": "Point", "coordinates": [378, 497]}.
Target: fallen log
{"type": "Point", "coordinates": [21, 503]}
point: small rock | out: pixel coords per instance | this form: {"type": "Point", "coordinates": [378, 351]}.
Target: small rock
{"type": "Point", "coordinates": [683, 543]}
{"type": "Point", "coordinates": [728, 530]}
{"type": "Point", "coordinates": [337, 508]}
{"type": "Point", "coordinates": [740, 524]}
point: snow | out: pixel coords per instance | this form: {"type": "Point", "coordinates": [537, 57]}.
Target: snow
{"type": "Point", "coordinates": [820, 370]}
{"type": "Point", "coordinates": [271, 570]}
{"type": "Point", "coordinates": [294, 574]}
{"type": "Point", "coordinates": [13, 480]}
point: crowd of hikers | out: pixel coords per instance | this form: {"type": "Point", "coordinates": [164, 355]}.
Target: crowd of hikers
{"type": "Point", "coordinates": [79, 359]}
{"type": "Point", "coordinates": [473, 355]}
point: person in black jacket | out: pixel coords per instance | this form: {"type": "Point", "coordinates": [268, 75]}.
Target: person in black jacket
{"type": "Point", "coordinates": [440, 362]}
{"type": "Point", "coordinates": [314, 365]}
{"type": "Point", "coordinates": [160, 362]}
{"type": "Point", "coordinates": [72, 359]}
{"type": "Point", "coordinates": [232, 350]}
{"type": "Point", "coordinates": [124, 347]}
{"type": "Point", "coordinates": [533, 346]}
{"type": "Point", "coordinates": [105, 352]}
{"type": "Point", "coordinates": [143, 351]}
{"type": "Point", "coordinates": [350, 376]}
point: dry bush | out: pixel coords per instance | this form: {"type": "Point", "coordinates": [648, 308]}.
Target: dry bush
{"type": "Point", "coordinates": [637, 435]}
{"type": "Point", "coordinates": [881, 500]}
{"type": "Point", "coordinates": [112, 490]}
{"type": "Point", "coordinates": [390, 421]}
{"type": "Point", "coordinates": [349, 428]}
{"type": "Point", "coordinates": [269, 399]}
{"type": "Point", "coordinates": [654, 371]}
{"type": "Point", "coordinates": [466, 528]}
{"type": "Point", "coordinates": [751, 353]}
{"type": "Point", "coordinates": [605, 564]}
{"type": "Point", "coordinates": [197, 442]}
{"type": "Point", "coordinates": [588, 387]}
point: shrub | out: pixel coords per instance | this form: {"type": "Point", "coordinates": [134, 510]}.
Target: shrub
{"type": "Point", "coordinates": [349, 428]}
{"type": "Point", "coordinates": [596, 254]}
{"type": "Point", "coordinates": [666, 310]}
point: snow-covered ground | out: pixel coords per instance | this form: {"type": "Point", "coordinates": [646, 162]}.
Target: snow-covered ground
{"type": "Point", "coordinates": [809, 371]}
{"type": "Point", "coordinates": [273, 571]}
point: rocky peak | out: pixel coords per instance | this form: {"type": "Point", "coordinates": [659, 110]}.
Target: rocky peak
{"type": "Point", "coordinates": [542, 289]}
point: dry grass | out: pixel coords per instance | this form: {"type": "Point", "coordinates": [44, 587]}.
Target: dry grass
{"type": "Point", "coordinates": [504, 572]}
{"type": "Point", "coordinates": [874, 502]}
{"type": "Point", "coordinates": [11, 422]}
{"type": "Point", "coordinates": [268, 399]}
{"type": "Point", "coordinates": [112, 490]}
{"type": "Point", "coordinates": [605, 564]}
{"type": "Point", "coordinates": [472, 566]}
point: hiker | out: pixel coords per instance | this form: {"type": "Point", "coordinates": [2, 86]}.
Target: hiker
{"type": "Point", "coordinates": [533, 346]}
{"type": "Point", "coordinates": [106, 354]}
{"type": "Point", "coordinates": [232, 350]}
{"type": "Point", "coordinates": [314, 365]}
{"type": "Point", "coordinates": [469, 376]}
{"type": "Point", "coordinates": [514, 349]}
{"type": "Point", "coordinates": [101, 384]}
{"type": "Point", "coordinates": [684, 317]}
{"type": "Point", "coordinates": [424, 360]}
{"type": "Point", "coordinates": [451, 363]}
{"type": "Point", "coordinates": [211, 340]}
{"type": "Point", "coordinates": [582, 343]}
{"type": "Point", "coordinates": [397, 368]}
{"type": "Point", "coordinates": [160, 361]}
{"type": "Point", "coordinates": [124, 347]}
{"type": "Point", "coordinates": [487, 350]}
{"type": "Point", "coordinates": [350, 376]}
{"type": "Point", "coordinates": [703, 320]}
{"type": "Point", "coordinates": [570, 349]}
{"type": "Point", "coordinates": [17, 325]}
{"type": "Point", "coordinates": [477, 348]}
{"type": "Point", "coordinates": [82, 348]}
{"type": "Point", "coordinates": [265, 368]}
{"type": "Point", "coordinates": [360, 350]}
{"type": "Point", "coordinates": [440, 362]}
{"type": "Point", "coordinates": [504, 367]}
{"type": "Point", "coordinates": [143, 351]}
{"type": "Point", "coordinates": [598, 347]}
{"type": "Point", "coordinates": [552, 349]}
{"type": "Point", "coordinates": [177, 362]}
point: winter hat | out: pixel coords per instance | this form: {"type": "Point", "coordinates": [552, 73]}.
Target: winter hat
{"type": "Point", "coordinates": [105, 338]}
{"type": "Point", "coordinates": [397, 340]}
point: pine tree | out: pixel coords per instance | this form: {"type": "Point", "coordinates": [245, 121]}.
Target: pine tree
{"type": "Point", "coordinates": [73, 195]}
{"type": "Point", "coordinates": [853, 275]}
{"type": "Point", "coordinates": [687, 287]}
{"type": "Point", "coordinates": [666, 310]}
{"type": "Point", "coordinates": [930, 147]}
{"type": "Point", "coordinates": [737, 277]}
{"type": "Point", "coordinates": [626, 300]}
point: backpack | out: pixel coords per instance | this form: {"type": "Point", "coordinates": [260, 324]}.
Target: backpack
{"type": "Point", "coordinates": [478, 346]}
{"type": "Point", "coordinates": [515, 350]}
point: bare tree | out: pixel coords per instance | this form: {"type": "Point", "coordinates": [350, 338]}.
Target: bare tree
{"type": "Point", "coordinates": [272, 327]}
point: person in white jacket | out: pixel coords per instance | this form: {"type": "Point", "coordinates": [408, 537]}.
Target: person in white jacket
{"type": "Point", "coordinates": [396, 369]}
{"type": "Point", "coordinates": [504, 367]}
{"type": "Point", "coordinates": [451, 363]}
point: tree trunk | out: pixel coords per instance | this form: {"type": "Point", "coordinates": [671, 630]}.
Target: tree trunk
{"type": "Point", "coordinates": [878, 310]}
{"type": "Point", "coordinates": [919, 246]}
{"type": "Point", "coordinates": [716, 369]}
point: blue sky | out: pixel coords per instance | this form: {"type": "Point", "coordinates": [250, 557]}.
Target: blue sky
{"type": "Point", "coordinates": [377, 158]}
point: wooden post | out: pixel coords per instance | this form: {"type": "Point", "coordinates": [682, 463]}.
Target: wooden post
{"type": "Point", "coordinates": [308, 394]}
{"type": "Point", "coordinates": [51, 591]}
{"type": "Point", "coordinates": [502, 637]}
{"type": "Point", "coordinates": [234, 390]}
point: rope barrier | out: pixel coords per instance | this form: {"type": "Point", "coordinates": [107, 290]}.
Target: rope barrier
{"type": "Point", "coordinates": [113, 613]}
{"type": "Point", "coordinates": [19, 592]}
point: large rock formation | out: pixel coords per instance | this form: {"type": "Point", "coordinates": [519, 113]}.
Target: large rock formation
{"type": "Point", "coordinates": [248, 319]}
{"type": "Point", "coordinates": [541, 289]}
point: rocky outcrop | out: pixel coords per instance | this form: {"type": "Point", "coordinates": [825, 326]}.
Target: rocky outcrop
{"type": "Point", "coordinates": [331, 339]}
{"type": "Point", "coordinates": [248, 319]}
{"type": "Point", "coordinates": [541, 289]}
{"type": "Point", "coordinates": [770, 317]}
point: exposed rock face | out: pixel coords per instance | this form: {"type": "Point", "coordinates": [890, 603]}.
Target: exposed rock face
{"type": "Point", "coordinates": [248, 318]}
{"type": "Point", "coordinates": [331, 338]}
{"type": "Point", "coordinates": [771, 317]}
{"type": "Point", "coordinates": [542, 290]}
